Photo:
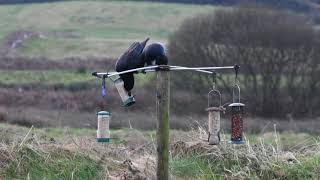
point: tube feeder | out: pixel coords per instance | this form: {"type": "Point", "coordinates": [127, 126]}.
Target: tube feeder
{"type": "Point", "coordinates": [103, 131]}
{"type": "Point", "coordinates": [214, 117]}
{"type": "Point", "coordinates": [126, 99]}
{"type": "Point", "coordinates": [237, 111]}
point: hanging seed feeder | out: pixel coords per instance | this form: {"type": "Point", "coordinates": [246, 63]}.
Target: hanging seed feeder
{"type": "Point", "coordinates": [126, 99]}
{"type": "Point", "coordinates": [237, 110]}
{"type": "Point", "coordinates": [214, 118]}
{"type": "Point", "coordinates": [103, 131]}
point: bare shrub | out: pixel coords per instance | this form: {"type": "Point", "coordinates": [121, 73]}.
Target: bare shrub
{"type": "Point", "coordinates": [3, 114]}
{"type": "Point", "coordinates": [278, 52]}
{"type": "Point", "coordinates": [25, 121]}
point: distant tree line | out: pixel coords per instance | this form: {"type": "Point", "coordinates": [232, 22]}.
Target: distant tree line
{"type": "Point", "coordinates": [301, 6]}
{"type": "Point", "coordinates": [297, 5]}
{"type": "Point", "coordinates": [279, 53]}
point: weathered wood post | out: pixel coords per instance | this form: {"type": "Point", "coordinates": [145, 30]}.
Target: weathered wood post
{"type": "Point", "coordinates": [163, 106]}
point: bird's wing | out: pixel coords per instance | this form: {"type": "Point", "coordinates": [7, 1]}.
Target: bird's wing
{"type": "Point", "coordinates": [131, 58]}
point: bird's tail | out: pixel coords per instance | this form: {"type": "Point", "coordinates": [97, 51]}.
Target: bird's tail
{"type": "Point", "coordinates": [143, 43]}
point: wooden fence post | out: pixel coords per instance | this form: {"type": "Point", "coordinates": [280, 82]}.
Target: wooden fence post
{"type": "Point", "coordinates": [163, 106]}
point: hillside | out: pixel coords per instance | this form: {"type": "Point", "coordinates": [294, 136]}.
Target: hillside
{"type": "Point", "coordinates": [101, 28]}
{"type": "Point", "coordinates": [86, 28]}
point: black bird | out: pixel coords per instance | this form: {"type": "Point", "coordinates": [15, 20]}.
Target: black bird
{"type": "Point", "coordinates": [138, 55]}
{"type": "Point", "coordinates": [130, 59]}
{"type": "Point", "coordinates": [155, 54]}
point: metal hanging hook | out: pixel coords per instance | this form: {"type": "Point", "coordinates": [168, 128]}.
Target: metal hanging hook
{"type": "Point", "coordinates": [214, 80]}
{"type": "Point", "coordinates": [214, 91]}
{"type": "Point", "coordinates": [236, 84]}
{"type": "Point", "coordinates": [233, 93]}
{"type": "Point", "coordinates": [236, 71]}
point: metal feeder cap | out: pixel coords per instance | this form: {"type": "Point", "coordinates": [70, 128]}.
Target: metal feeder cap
{"type": "Point", "coordinates": [236, 105]}
{"type": "Point", "coordinates": [103, 139]}
{"type": "Point", "coordinates": [104, 113]}
{"type": "Point", "coordinates": [216, 109]}
{"type": "Point", "coordinates": [130, 101]}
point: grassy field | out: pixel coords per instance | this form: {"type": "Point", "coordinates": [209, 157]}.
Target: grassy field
{"type": "Point", "coordinates": [61, 77]}
{"type": "Point", "coordinates": [43, 77]}
{"type": "Point", "coordinates": [91, 28]}
{"type": "Point", "coordinates": [75, 154]}
{"type": "Point", "coordinates": [105, 28]}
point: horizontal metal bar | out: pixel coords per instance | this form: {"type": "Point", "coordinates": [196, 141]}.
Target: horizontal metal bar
{"type": "Point", "coordinates": [172, 68]}
{"type": "Point", "coordinates": [127, 71]}
{"type": "Point", "coordinates": [208, 68]}
{"type": "Point", "coordinates": [198, 70]}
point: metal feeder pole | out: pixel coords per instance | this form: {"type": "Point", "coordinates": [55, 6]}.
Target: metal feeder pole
{"type": "Point", "coordinates": [162, 106]}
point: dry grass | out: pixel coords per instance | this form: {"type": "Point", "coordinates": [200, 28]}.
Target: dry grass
{"type": "Point", "coordinates": [131, 155]}
{"type": "Point", "coordinates": [30, 157]}
{"type": "Point", "coordinates": [73, 155]}
{"type": "Point", "coordinates": [262, 159]}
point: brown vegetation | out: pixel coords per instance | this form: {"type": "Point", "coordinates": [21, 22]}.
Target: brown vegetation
{"type": "Point", "coordinates": [43, 63]}
{"type": "Point", "coordinates": [131, 154]}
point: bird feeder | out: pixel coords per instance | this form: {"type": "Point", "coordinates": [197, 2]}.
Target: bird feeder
{"type": "Point", "coordinates": [126, 99]}
{"type": "Point", "coordinates": [103, 132]}
{"type": "Point", "coordinates": [237, 110]}
{"type": "Point", "coordinates": [214, 118]}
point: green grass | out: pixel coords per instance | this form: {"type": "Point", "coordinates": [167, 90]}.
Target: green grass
{"type": "Point", "coordinates": [308, 168]}
{"type": "Point", "coordinates": [288, 140]}
{"type": "Point", "coordinates": [265, 157]}
{"type": "Point", "coordinates": [200, 168]}
{"type": "Point", "coordinates": [251, 161]}
{"type": "Point", "coordinates": [43, 77]}
{"type": "Point", "coordinates": [241, 163]}
{"type": "Point", "coordinates": [61, 77]}
{"type": "Point", "coordinates": [60, 133]}
{"type": "Point", "coordinates": [194, 168]}
{"type": "Point", "coordinates": [31, 160]}
{"type": "Point", "coordinates": [99, 28]}
{"type": "Point", "coordinates": [59, 164]}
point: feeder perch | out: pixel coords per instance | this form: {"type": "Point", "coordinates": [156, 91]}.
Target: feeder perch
{"type": "Point", "coordinates": [214, 118]}
{"type": "Point", "coordinates": [237, 110]}
{"type": "Point", "coordinates": [103, 132]}
{"type": "Point", "coordinates": [126, 99]}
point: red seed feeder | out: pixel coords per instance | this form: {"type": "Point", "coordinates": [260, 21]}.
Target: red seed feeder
{"type": "Point", "coordinates": [237, 110]}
